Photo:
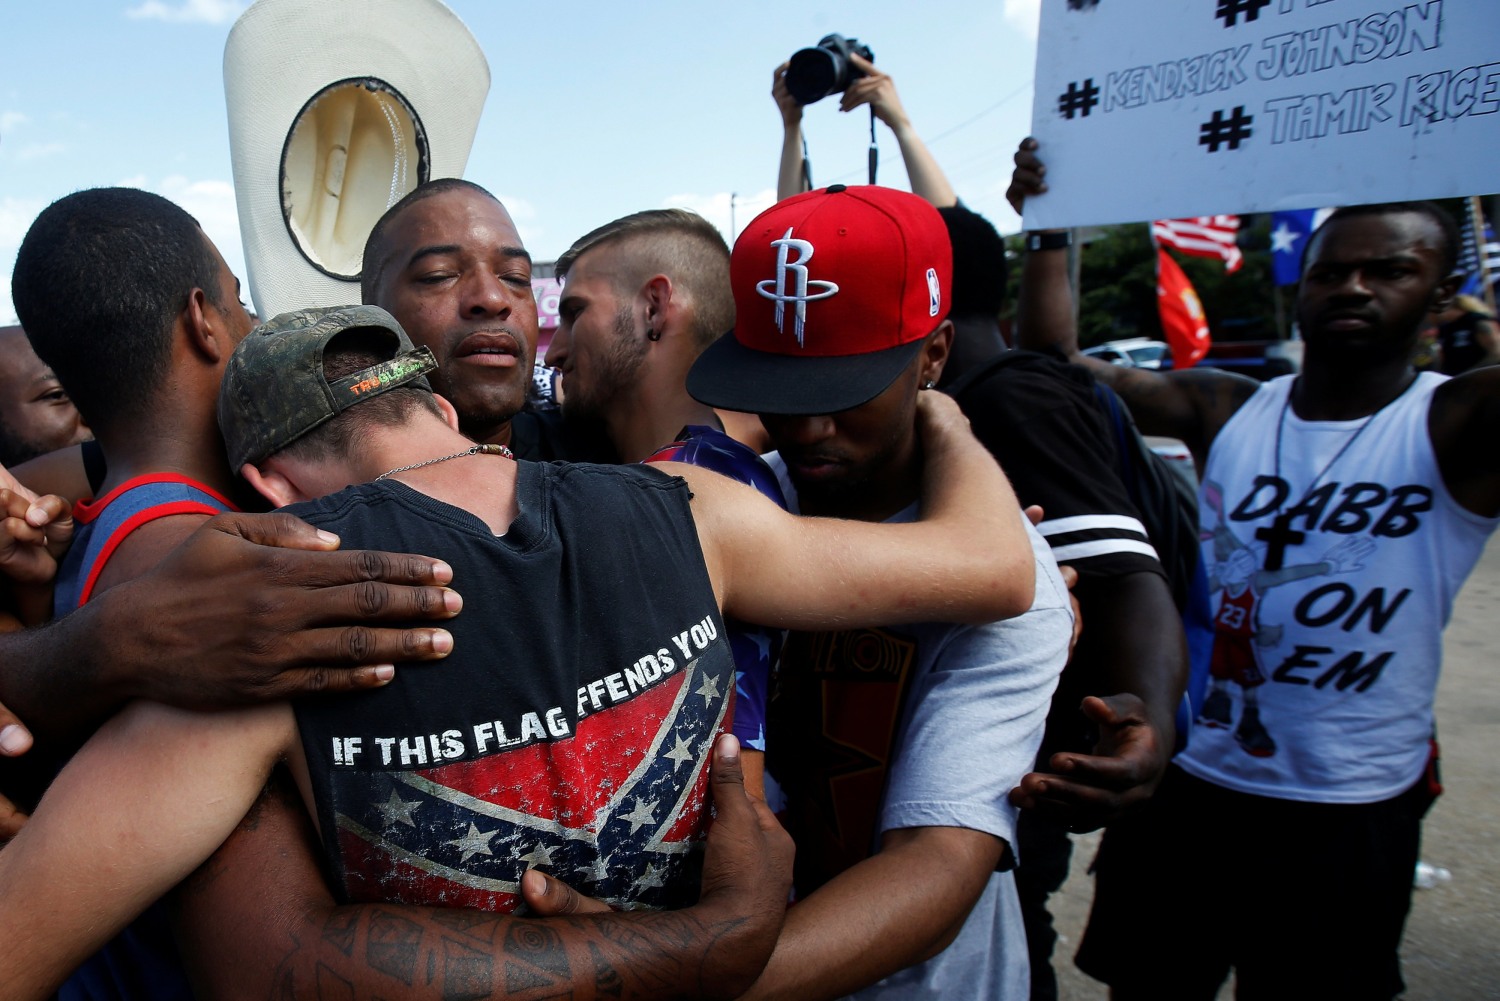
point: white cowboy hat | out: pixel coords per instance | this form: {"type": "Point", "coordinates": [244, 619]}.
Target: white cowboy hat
{"type": "Point", "coordinates": [338, 108]}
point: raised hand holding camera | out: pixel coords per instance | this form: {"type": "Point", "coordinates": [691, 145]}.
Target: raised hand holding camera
{"type": "Point", "coordinates": [832, 67]}
{"type": "Point", "coordinates": [828, 68]}
{"type": "Point", "coordinates": [878, 90]}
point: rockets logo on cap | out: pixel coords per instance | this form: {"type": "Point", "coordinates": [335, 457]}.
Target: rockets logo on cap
{"type": "Point", "coordinates": [798, 268]}
{"type": "Point", "coordinates": [866, 272]}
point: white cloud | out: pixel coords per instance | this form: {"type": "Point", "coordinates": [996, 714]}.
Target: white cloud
{"type": "Point", "coordinates": [200, 11]}
{"type": "Point", "coordinates": [1024, 15]}
{"type": "Point", "coordinates": [35, 151]}
{"type": "Point", "coordinates": [11, 120]}
{"type": "Point", "coordinates": [212, 204]}
{"type": "Point", "coordinates": [716, 208]}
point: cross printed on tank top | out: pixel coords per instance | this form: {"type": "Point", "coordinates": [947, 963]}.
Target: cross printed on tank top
{"type": "Point", "coordinates": [1280, 534]}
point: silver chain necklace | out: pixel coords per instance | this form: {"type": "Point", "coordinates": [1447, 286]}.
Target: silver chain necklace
{"type": "Point", "coordinates": [1280, 533]}
{"type": "Point", "coordinates": [471, 450]}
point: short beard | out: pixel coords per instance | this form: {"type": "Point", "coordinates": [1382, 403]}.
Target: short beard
{"type": "Point", "coordinates": [616, 368]}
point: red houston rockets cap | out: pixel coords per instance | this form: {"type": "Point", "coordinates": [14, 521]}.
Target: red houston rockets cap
{"type": "Point", "coordinates": [834, 291]}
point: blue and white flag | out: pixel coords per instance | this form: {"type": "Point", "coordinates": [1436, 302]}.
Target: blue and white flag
{"type": "Point", "coordinates": [1289, 233]}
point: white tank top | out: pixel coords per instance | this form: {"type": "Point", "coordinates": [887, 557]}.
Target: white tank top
{"type": "Point", "coordinates": [1329, 632]}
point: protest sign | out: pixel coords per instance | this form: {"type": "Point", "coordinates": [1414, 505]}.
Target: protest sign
{"type": "Point", "coordinates": [1179, 108]}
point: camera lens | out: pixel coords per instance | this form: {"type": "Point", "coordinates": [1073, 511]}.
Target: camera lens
{"type": "Point", "coordinates": [811, 75]}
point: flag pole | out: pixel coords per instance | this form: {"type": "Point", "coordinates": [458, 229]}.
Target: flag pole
{"type": "Point", "coordinates": [1476, 224]}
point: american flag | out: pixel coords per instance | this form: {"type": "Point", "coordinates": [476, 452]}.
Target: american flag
{"type": "Point", "coordinates": [1468, 257]}
{"type": "Point", "coordinates": [1202, 236]}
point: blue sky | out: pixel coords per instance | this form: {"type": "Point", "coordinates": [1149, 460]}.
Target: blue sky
{"type": "Point", "coordinates": [595, 109]}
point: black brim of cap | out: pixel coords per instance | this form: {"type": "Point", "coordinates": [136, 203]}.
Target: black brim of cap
{"type": "Point", "coordinates": [730, 376]}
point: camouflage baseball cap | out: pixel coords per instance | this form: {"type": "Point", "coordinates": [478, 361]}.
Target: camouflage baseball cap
{"type": "Point", "coordinates": [274, 390]}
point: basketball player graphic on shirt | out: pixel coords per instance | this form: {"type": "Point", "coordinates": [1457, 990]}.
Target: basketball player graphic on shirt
{"type": "Point", "coordinates": [1237, 574]}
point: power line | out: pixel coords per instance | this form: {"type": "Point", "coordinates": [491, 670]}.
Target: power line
{"type": "Point", "coordinates": [970, 121]}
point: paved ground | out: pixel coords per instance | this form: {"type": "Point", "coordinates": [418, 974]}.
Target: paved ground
{"type": "Point", "coordinates": [1452, 947]}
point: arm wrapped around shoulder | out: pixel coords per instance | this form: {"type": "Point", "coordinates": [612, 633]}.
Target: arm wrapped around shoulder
{"type": "Point", "coordinates": [974, 517]}
{"type": "Point", "coordinates": [966, 559]}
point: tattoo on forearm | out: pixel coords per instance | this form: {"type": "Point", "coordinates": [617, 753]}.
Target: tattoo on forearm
{"type": "Point", "coordinates": [652, 963]}
{"type": "Point", "coordinates": [330, 986]}
{"type": "Point", "coordinates": [468, 973]}
{"type": "Point", "coordinates": [535, 958]}
{"type": "Point", "coordinates": [340, 931]}
{"type": "Point", "coordinates": [393, 946]}
{"type": "Point", "coordinates": [455, 955]}
{"type": "Point", "coordinates": [607, 981]}
{"type": "Point", "coordinates": [477, 925]}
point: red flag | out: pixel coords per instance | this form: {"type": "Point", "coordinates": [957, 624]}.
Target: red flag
{"type": "Point", "coordinates": [1202, 236]}
{"type": "Point", "coordinates": [1182, 319]}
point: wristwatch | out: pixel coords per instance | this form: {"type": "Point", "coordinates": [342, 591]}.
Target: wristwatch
{"type": "Point", "coordinates": [1056, 240]}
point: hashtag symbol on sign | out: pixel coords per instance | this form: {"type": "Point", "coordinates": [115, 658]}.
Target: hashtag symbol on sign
{"type": "Point", "coordinates": [1078, 100]}
{"type": "Point", "coordinates": [1230, 10]}
{"type": "Point", "coordinates": [1231, 131]}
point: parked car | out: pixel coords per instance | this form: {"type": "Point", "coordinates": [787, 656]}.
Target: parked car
{"type": "Point", "coordinates": [1133, 352]}
{"type": "Point", "coordinates": [1258, 359]}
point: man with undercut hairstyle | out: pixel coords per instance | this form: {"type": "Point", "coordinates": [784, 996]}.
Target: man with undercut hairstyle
{"type": "Point", "coordinates": [642, 296]}
{"type": "Point", "coordinates": [447, 262]}
{"type": "Point", "coordinates": [601, 585]}
{"type": "Point", "coordinates": [1340, 510]}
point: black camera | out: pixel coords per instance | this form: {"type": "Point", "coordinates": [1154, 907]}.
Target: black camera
{"type": "Point", "coordinates": [815, 73]}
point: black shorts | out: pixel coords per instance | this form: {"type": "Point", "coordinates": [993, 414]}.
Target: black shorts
{"type": "Point", "coordinates": [1303, 900]}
